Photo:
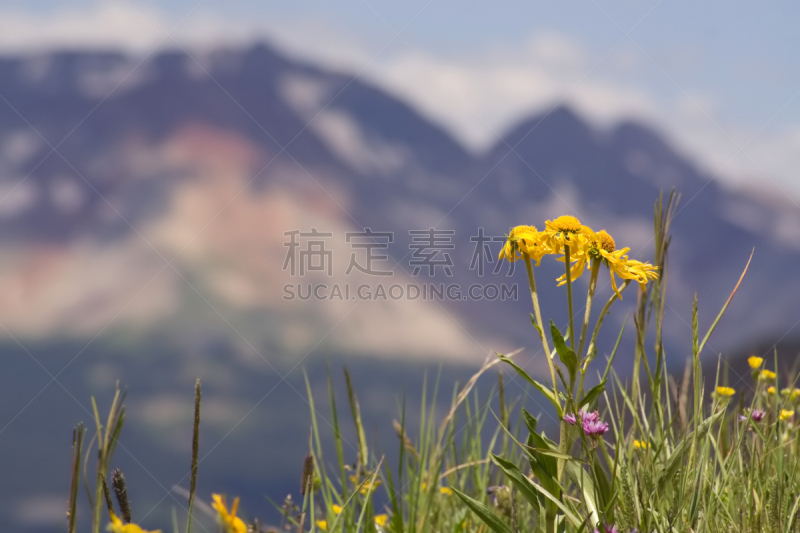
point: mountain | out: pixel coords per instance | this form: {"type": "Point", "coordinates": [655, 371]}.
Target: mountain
{"type": "Point", "coordinates": [144, 206]}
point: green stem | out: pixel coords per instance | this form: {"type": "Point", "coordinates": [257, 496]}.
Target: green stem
{"type": "Point", "coordinates": [584, 328]}
{"type": "Point", "coordinates": [600, 319]}
{"type": "Point", "coordinates": [564, 430]}
{"type": "Point", "coordinates": [569, 298]}
{"type": "Point", "coordinates": [538, 314]}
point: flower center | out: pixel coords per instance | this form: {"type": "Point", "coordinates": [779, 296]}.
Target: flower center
{"type": "Point", "coordinates": [567, 224]}
{"type": "Point", "coordinates": [606, 241]}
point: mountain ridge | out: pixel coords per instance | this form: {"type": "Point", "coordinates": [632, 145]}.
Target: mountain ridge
{"type": "Point", "coordinates": [177, 270]}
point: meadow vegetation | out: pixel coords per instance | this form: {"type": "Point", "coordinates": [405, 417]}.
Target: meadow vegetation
{"type": "Point", "coordinates": [638, 450]}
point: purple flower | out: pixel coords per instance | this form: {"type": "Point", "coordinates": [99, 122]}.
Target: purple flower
{"type": "Point", "coordinates": [757, 415]}
{"type": "Point", "coordinates": [570, 418]}
{"type": "Point", "coordinates": [594, 428]}
{"type": "Point", "coordinates": [594, 416]}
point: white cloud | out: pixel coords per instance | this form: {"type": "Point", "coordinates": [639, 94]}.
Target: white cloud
{"type": "Point", "coordinates": [106, 25]}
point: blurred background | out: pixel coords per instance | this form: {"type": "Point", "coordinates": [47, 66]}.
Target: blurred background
{"type": "Point", "coordinates": [175, 177]}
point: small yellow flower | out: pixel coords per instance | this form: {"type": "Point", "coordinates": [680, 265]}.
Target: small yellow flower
{"type": "Point", "coordinates": [368, 486]}
{"type": "Point", "coordinates": [116, 526]}
{"type": "Point", "coordinates": [337, 509]}
{"type": "Point", "coordinates": [787, 414]}
{"type": "Point", "coordinates": [564, 231]}
{"type": "Point", "coordinates": [447, 491]}
{"type": "Point", "coordinates": [755, 362]}
{"type": "Point", "coordinates": [640, 444]}
{"type": "Point", "coordinates": [794, 394]}
{"type": "Point", "coordinates": [767, 375]}
{"type": "Point", "coordinates": [771, 390]}
{"type": "Point", "coordinates": [322, 524]}
{"type": "Point", "coordinates": [228, 520]}
{"type": "Point", "coordinates": [725, 391]}
{"type": "Point", "coordinates": [601, 245]}
{"type": "Point", "coordinates": [525, 241]}
{"type": "Point", "coordinates": [381, 519]}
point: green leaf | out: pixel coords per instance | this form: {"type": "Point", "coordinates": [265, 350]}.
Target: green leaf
{"type": "Point", "coordinates": [484, 513]}
{"type": "Point", "coordinates": [565, 353]}
{"type": "Point", "coordinates": [537, 442]}
{"type": "Point", "coordinates": [538, 386]}
{"type": "Point", "coordinates": [535, 325]}
{"type": "Point", "coordinates": [583, 480]}
{"type": "Point", "coordinates": [543, 465]}
{"type": "Point", "coordinates": [593, 393]}
{"type": "Point", "coordinates": [614, 351]}
{"type": "Point", "coordinates": [530, 421]}
{"type": "Point", "coordinates": [605, 496]}
{"type": "Point", "coordinates": [551, 453]}
{"type": "Point", "coordinates": [519, 480]}
{"type": "Point", "coordinates": [676, 459]}
{"type": "Point", "coordinates": [524, 484]}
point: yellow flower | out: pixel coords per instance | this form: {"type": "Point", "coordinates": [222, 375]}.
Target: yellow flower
{"type": "Point", "coordinates": [228, 520]}
{"type": "Point", "coordinates": [564, 231]}
{"type": "Point", "coordinates": [322, 524]}
{"type": "Point", "coordinates": [771, 390]}
{"type": "Point", "coordinates": [601, 245]}
{"type": "Point", "coordinates": [447, 491]}
{"type": "Point", "coordinates": [525, 240]}
{"type": "Point", "coordinates": [767, 375]}
{"type": "Point", "coordinates": [794, 394]}
{"type": "Point", "coordinates": [640, 444]}
{"type": "Point", "coordinates": [381, 519]}
{"type": "Point", "coordinates": [368, 485]}
{"type": "Point", "coordinates": [786, 414]}
{"type": "Point", "coordinates": [641, 272]}
{"type": "Point", "coordinates": [116, 526]}
{"type": "Point", "coordinates": [755, 362]}
{"type": "Point", "coordinates": [336, 509]}
{"type": "Point", "coordinates": [725, 391]}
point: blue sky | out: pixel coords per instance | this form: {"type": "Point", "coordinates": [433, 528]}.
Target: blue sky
{"type": "Point", "coordinates": [721, 80]}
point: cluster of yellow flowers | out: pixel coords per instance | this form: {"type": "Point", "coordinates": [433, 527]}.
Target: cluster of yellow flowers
{"type": "Point", "coordinates": [584, 245]}
{"type": "Point", "coordinates": [228, 520]}
{"type": "Point", "coordinates": [380, 519]}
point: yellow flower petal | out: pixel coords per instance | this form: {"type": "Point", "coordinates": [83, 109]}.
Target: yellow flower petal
{"type": "Point", "coordinates": [322, 524]}
{"type": "Point", "coordinates": [755, 362]}
{"type": "Point", "coordinates": [381, 519]}
{"type": "Point", "coordinates": [767, 375]}
{"type": "Point", "coordinates": [565, 231]}
{"type": "Point", "coordinates": [228, 520]}
{"type": "Point", "coordinates": [786, 414]}
{"type": "Point", "coordinates": [725, 391]}
{"type": "Point", "coordinates": [522, 241]}
{"type": "Point", "coordinates": [116, 526]}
